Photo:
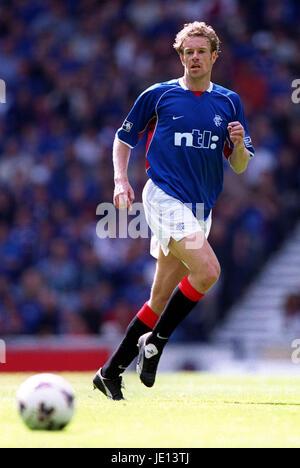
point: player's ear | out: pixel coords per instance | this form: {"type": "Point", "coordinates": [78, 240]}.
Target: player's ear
{"type": "Point", "coordinates": [181, 58]}
{"type": "Point", "coordinates": [214, 56]}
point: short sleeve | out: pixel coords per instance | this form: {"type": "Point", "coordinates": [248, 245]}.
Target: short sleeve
{"type": "Point", "coordinates": [137, 120]}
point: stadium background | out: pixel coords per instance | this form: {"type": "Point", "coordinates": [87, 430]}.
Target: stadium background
{"type": "Point", "coordinates": [73, 69]}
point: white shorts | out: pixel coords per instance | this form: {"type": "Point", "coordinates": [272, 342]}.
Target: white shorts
{"type": "Point", "coordinates": [168, 217]}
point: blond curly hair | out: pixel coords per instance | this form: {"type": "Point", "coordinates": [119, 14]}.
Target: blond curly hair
{"type": "Point", "coordinates": [197, 28]}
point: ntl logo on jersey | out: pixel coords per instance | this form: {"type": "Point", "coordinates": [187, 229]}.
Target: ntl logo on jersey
{"type": "Point", "coordinates": [196, 139]}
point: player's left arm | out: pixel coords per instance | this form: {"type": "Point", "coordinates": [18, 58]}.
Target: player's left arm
{"type": "Point", "coordinates": [240, 156]}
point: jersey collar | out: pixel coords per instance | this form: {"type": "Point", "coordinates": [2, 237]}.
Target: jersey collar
{"type": "Point", "coordinates": [209, 89]}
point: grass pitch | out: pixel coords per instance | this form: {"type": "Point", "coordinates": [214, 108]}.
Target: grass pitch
{"type": "Point", "coordinates": [182, 410]}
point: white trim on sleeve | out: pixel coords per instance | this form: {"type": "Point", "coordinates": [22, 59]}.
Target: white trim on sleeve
{"type": "Point", "coordinates": [127, 144]}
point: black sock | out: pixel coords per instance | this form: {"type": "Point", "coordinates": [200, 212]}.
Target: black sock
{"type": "Point", "coordinates": [126, 351]}
{"type": "Point", "coordinates": [178, 307]}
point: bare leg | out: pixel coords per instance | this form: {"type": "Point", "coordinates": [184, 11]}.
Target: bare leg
{"type": "Point", "coordinates": [204, 270]}
{"type": "Point", "coordinates": [202, 261]}
{"type": "Point", "coordinates": [169, 272]}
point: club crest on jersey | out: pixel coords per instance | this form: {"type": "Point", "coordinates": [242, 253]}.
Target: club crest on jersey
{"type": "Point", "coordinates": [127, 126]}
{"type": "Point", "coordinates": [217, 120]}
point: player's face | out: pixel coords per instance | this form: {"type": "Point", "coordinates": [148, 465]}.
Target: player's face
{"type": "Point", "coordinates": [197, 57]}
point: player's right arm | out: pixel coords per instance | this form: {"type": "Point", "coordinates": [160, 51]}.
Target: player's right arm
{"type": "Point", "coordinates": [127, 138]}
{"type": "Point", "coordinates": [123, 192]}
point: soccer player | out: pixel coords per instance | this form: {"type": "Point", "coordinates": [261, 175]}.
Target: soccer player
{"type": "Point", "coordinates": [191, 124]}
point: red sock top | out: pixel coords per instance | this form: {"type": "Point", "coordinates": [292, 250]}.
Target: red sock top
{"type": "Point", "coordinates": [147, 316]}
{"type": "Point", "coordinates": [189, 291]}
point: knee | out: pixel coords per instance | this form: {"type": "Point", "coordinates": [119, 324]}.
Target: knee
{"type": "Point", "coordinates": [212, 275]}
{"type": "Point", "coordinates": [208, 277]}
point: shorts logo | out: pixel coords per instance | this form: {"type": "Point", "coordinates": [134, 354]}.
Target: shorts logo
{"type": "Point", "coordinates": [127, 126]}
{"type": "Point", "coordinates": [180, 227]}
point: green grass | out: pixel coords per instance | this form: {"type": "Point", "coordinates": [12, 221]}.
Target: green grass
{"type": "Point", "coordinates": [182, 410]}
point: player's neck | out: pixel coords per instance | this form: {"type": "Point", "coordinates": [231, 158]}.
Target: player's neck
{"type": "Point", "coordinates": [198, 84]}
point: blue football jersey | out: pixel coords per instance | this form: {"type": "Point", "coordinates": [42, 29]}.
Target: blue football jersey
{"type": "Point", "coordinates": [187, 138]}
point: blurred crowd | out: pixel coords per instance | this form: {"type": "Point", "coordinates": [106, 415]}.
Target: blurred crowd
{"type": "Point", "coordinates": [73, 69]}
{"type": "Point", "coordinates": [291, 315]}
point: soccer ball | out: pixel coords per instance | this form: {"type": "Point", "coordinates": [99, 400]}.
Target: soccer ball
{"type": "Point", "coordinates": [46, 402]}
